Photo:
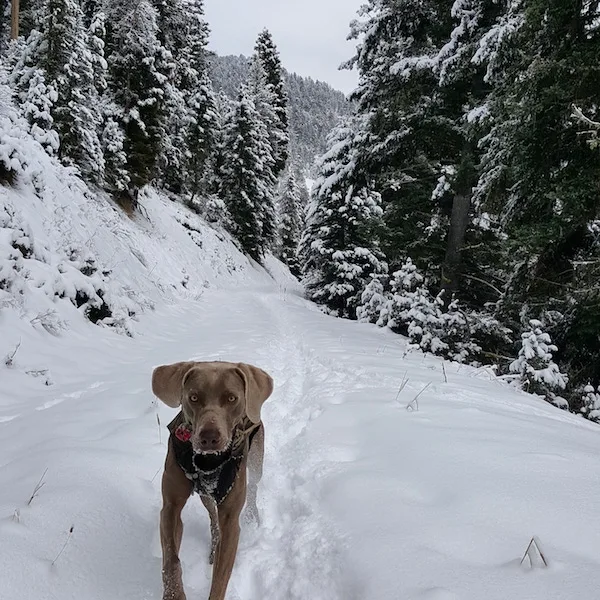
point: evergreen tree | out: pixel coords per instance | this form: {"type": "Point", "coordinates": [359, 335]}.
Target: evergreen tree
{"type": "Point", "coordinates": [290, 221]}
{"type": "Point", "coordinates": [265, 101]}
{"type": "Point", "coordinates": [372, 301]}
{"type": "Point", "coordinates": [4, 20]}
{"type": "Point", "coordinates": [339, 247]}
{"type": "Point", "coordinates": [189, 99]}
{"type": "Point", "coordinates": [137, 81]}
{"type": "Point", "coordinates": [248, 196]}
{"type": "Point", "coordinates": [60, 57]}
{"type": "Point", "coordinates": [201, 138]}
{"type": "Point", "coordinates": [90, 9]}
{"type": "Point", "coordinates": [590, 403]}
{"type": "Point", "coordinates": [31, 16]}
{"type": "Point", "coordinates": [406, 138]}
{"type": "Point", "coordinates": [97, 42]}
{"type": "Point", "coordinates": [268, 56]}
{"type": "Point", "coordinates": [542, 176]}
{"type": "Point", "coordinates": [538, 373]}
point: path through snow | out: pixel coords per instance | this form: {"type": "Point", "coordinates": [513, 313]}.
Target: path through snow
{"type": "Point", "coordinates": [361, 499]}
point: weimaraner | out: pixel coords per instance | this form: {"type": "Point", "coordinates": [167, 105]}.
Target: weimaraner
{"type": "Point", "coordinates": [217, 434]}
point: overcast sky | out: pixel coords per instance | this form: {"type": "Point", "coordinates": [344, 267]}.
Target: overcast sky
{"type": "Point", "coordinates": [310, 34]}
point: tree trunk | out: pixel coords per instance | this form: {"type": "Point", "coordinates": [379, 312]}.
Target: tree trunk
{"type": "Point", "coordinates": [456, 239]}
{"type": "Point", "coordinates": [14, 22]}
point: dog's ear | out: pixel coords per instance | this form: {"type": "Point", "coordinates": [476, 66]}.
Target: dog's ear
{"type": "Point", "coordinates": [167, 382]}
{"type": "Point", "coordinates": [258, 386]}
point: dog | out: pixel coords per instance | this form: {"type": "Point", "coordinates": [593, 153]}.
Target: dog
{"type": "Point", "coordinates": [215, 449]}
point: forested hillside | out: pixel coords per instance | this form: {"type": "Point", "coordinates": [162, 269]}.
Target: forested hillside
{"type": "Point", "coordinates": [314, 106]}
{"type": "Point", "coordinates": [120, 93]}
{"type": "Point", "coordinates": [460, 204]}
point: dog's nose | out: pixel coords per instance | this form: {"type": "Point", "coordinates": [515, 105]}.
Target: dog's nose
{"type": "Point", "coordinates": [210, 438]}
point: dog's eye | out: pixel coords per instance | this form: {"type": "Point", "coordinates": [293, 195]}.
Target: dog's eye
{"type": "Point", "coordinates": [232, 398]}
{"type": "Point", "coordinates": [193, 398]}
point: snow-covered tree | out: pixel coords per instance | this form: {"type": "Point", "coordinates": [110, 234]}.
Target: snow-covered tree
{"type": "Point", "coordinates": [538, 372]}
{"type": "Point", "coordinates": [56, 74]}
{"type": "Point", "coordinates": [266, 103]}
{"type": "Point", "coordinates": [97, 42]}
{"type": "Point", "coordinates": [268, 55]}
{"type": "Point", "coordinates": [37, 97]}
{"type": "Point", "coordinates": [412, 311]}
{"type": "Point", "coordinates": [590, 403]}
{"type": "Point", "coordinates": [202, 133]}
{"type": "Point", "coordinates": [247, 194]}
{"type": "Point", "coordinates": [116, 175]}
{"type": "Point", "coordinates": [290, 221]}
{"type": "Point", "coordinates": [339, 247]}
{"type": "Point", "coordinates": [372, 300]}
{"type": "Point", "coordinates": [137, 64]}
{"type": "Point", "coordinates": [405, 137]}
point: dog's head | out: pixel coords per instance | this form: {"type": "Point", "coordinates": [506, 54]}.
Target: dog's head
{"type": "Point", "coordinates": [214, 396]}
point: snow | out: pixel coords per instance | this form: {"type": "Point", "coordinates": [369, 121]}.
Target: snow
{"type": "Point", "coordinates": [388, 474]}
{"type": "Point", "coordinates": [360, 499]}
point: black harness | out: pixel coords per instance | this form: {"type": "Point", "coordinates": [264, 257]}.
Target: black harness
{"type": "Point", "coordinates": [212, 476]}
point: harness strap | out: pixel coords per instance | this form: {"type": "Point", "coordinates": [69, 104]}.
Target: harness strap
{"type": "Point", "coordinates": [213, 480]}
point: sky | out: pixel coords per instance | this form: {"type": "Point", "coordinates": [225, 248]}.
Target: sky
{"type": "Point", "coordinates": [310, 34]}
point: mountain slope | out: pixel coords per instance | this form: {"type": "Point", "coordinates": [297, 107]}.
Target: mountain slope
{"type": "Point", "coordinates": [314, 106]}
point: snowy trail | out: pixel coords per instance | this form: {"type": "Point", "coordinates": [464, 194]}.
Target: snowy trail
{"type": "Point", "coordinates": [361, 499]}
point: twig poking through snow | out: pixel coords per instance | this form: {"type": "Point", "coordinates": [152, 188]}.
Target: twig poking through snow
{"type": "Point", "coordinates": [40, 484]}
{"type": "Point", "coordinates": [159, 429]}
{"type": "Point", "coordinates": [534, 554]}
{"type": "Point", "coordinates": [402, 386]}
{"type": "Point", "coordinates": [65, 544]}
{"type": "Point", "coordinates": [414, 403]}
{"type": "Point", "coordinates": [444, 370]}
{"type": "Point", "coordinates": [9, 358]}
{"type": "Point", "coordinates": [156, 474]}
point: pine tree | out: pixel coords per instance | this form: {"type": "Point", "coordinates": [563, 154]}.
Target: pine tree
{"type": "Point", "coordinates": [90, 9]}
{"type": "Point", "coordinates": [201, 136]}
{"type": "Point", "coordinates": [4, 20]}
{"type": "Point", "coordinates": [268, 55]}
{"type": "Point", "coordinates": [137, 64]}
{"type": "Point", "coordinates": [339, 247]}
{"type": "Point", "coordinates": [539, 374]}
{"type": "Point", "coordinates": [590, 403]}
{"type": "Point", "coordinates": [189, 99]}
{"type": "Point", "coordinates": [265, 101]}
{"type": "Point", "coordinates": [372, 300]}
{"type": "Point", "coordinates": [406, 138]}
{"type": "Point", "coordinates": [59, 59]}
{"type": "Point", "coordinates": [97, 42]}
{"type": "Point", "coordinates": [541, 174]}
{"type": "Point", "coordinates": [248, 196]}
{"type": "Point", "coordinates": [31, 15]}
{"type": "Point", "coordinates": [290, 221]}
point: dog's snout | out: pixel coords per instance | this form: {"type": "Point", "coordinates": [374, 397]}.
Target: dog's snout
{"type": "Point", "coordinates": [210, 438]}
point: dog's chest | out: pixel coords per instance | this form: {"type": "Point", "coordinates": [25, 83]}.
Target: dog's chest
{"type": "Point", "coordinates": [216, 483]}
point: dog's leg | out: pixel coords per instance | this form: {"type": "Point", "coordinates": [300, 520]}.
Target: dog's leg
{"type": "Point", "coordinates": [255, 470]}
{"type": "Point", "coordinates": [215, 530]}
{"type": "Point", "coordinates": [229, 523]}
{"type": "Point", "coordinates": [176, 489]}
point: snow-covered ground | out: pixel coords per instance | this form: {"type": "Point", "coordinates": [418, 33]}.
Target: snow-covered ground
{"type": "Point", "coordinates": [361, 498]}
